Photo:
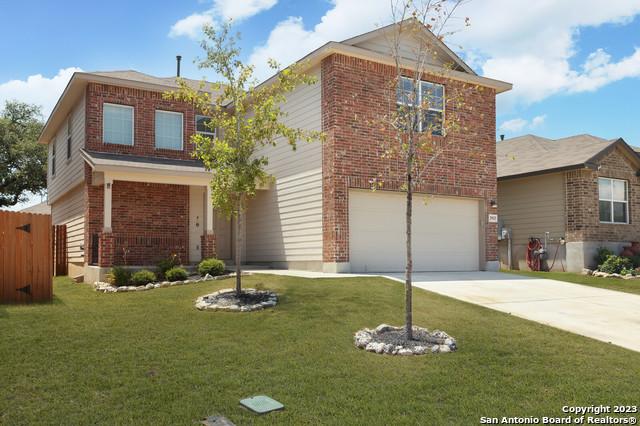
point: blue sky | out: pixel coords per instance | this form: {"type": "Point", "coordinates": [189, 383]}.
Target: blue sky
{"type": "Point", "coordinates": [575, 64]}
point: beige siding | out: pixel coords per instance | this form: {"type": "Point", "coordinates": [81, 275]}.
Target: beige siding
{"type": "Point", "coordinates": [69, 172]}
{"type": "Point", "coordinates": [284, 223]}
{"type": "Point", "coordinates": [532, 206]}
{"type": "Point", "coordinates": [409, 49]}
{"type": "Point", "coordinates": [69, 210]}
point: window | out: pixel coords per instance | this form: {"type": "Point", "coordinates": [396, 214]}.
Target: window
{"type": "Point", "coordinates": [168, 130]}
{"type": "Point", "coordinates": [53, 158]}
{"type": "Point", "coordinates": [68, 138]}
{"type": "Point", "coordinates": [614, 207]}
{"type": "Point", "coordinates": [202, 127]}
{"type": "Point", "coordinates": [117, 124]}
{"type": "Point", "coordinates": [430, 101]}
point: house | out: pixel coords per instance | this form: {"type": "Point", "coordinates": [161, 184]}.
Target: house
{"type": "Point", "coordinates": [581, 190]}
{"type": "Point", "coordinates": [121, 171]}
{"type": "Point", "coordinates": [40, 208]}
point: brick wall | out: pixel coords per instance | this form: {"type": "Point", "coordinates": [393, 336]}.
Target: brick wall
{"type": "Point", "coordinates": [145, 104]}
{"type": "Point", "coordinates": [149, 220]}
{"type": "Point", "coordinates": [583, 211]}
{"type": "Point", "coordinates": [356, 94]}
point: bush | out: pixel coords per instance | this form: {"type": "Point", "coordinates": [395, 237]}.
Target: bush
{"type": "Point", "coordinates": [166, 264]}
{"type": "Point", "coordinates": [211, 266]}
{"type": "Point", "coordinates": [635, 259]}
{"type": "Point", "coordinates": [118, 276]}
{"type": "Point", "coordinates": [176, 274]}
{"type": "Point", "coordinates": [615, 264]}
{"type": "Point", "coordinates": [143, 277]}
{"type": "Point", "coordinates": [602, 255]}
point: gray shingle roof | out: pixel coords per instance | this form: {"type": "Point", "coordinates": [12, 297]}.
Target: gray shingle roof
{"type": "Point", "coordinates": [133, 75]}
{"type": "Point", "coordinates": [530, 154]}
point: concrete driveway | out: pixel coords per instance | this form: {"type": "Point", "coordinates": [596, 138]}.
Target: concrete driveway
{"type": "Point", "coordinates": [606, 315]}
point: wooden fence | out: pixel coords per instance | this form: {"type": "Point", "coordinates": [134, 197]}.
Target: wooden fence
{"type": "Point", "coordinates": [60, 250]}
{"type": "Point", "coordinates": [26, 258]}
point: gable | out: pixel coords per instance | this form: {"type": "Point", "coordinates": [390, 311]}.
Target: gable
{"type": "Point", "coordinates": [409, 49]}
{"type": "Point", "coordinates": [617, 163]}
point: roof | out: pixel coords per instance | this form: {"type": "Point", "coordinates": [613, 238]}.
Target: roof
{"type": "Point", "coordinates": [530, 155]}
{"type": "Point", "coordinates": [40, 208]}
{"type": "Point", "coordinates": [132, 75]}
{"type": "Point", "coordinates": [97, 159]}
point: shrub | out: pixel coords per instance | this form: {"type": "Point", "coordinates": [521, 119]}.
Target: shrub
{"type": "Point", "coordinates": [602, 255]}
{"type": "Point", "coordinates": [635, 259]}
{"type": "Point", "coordinates": [118, 276]}
{"type": "Point", "coordinates": [143, 277]}
{"type": "Point", "coordinates": [615, 264]}
{"type": "Point", "coordinates": [211, 266]}
{"type": "Point", "coordinates": [176, 274]}
{"type": "Point", "coordinates": [166, 264]}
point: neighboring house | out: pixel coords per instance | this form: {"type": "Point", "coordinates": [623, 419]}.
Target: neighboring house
{"type": "Point", "coordinates": [40, 208]}
{"type": "Point", "coordinates": [582, 189]}
{"type": "Point", "coordinates": [120, 164]}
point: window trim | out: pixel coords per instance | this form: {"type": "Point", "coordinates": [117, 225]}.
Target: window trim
{"type": "Point", "coordinates": [443, 110]}
{"type": "Point", "coordinates": [155, 136]}
{"type": "Point", "coordinates": [611, 201]}
{"type": "Point", "coordinates": [207, 133]}
{"type": "Point", "coordinates": [133, 123]}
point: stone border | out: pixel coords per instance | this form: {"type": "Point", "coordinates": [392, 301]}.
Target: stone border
{"type": "Point", "coordinates": [208, 301]}
{"type": "Point", "coordinates": [601, 274]}
{"type": "Point", "coordinates": [425, 341]}
{"type": "Point", "coordinates": [108, 288]}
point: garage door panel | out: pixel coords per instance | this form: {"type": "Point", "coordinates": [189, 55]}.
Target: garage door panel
{"type": "Point", "coordinates": [445, 232]}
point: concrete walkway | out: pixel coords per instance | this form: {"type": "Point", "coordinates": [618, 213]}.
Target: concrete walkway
{"type": "Point", "coordinates": [606, 315]}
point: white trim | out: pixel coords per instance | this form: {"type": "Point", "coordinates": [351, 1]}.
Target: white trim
{"type": "Point", "coordinates": [419, 102]}
{"type": "Point", "coordinates": [155, 136]}
{"type": "Point", "coordinates": [133, 123]}
{"type": "Point", "coordinates": [206, 133]}
{"type": "Point", "coordinates": [612, 200]}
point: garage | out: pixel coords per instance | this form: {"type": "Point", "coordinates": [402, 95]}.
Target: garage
{"type": "Point", "coordinates": [446, 232]}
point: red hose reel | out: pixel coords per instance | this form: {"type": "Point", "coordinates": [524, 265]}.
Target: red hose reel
{"type": "Point", "coordinates": [536, 253]}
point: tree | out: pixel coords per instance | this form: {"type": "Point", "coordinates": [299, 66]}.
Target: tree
{"type": "Point", "coordinates": [23, 162]}
{"type": "Point", "coordinates": [244, 117]}
{"type": "Point", "coordinates": [417, 133]}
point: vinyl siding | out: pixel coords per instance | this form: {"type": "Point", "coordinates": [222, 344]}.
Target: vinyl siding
{"type": "Point", "coordinates": [69, 172]}
{"type": "Point", "coordinates": [408, 49]}
{"type": "Point", "coordinates": [69, 210]}
{"type": "Point", "coordinates": [284, 223]}
{"type": "Point", "coordinates": [532, 206]}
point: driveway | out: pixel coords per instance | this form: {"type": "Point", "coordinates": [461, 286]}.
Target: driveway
{"type": "Point", "coordinates": [606, 315]}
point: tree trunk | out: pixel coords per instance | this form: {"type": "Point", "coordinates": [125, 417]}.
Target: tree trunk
{"type": "Point", "coordinates": [238, 238]}
{"type": "Point", "coordinates": [408, 286]}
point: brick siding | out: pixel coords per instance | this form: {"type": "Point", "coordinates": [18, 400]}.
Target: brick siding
{"type": "Point", "coordinates": [583, 211]}
{"type": "Point", "coordinates": [356, 93]}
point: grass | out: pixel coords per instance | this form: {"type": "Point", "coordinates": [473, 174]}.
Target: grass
{"type": "Point", "coordinates": [151, 358]}
{"type": "Point", "coordinates": [628, 286]}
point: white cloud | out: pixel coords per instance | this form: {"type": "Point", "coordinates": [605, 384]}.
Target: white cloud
{"type": "Point", "coordinates": [191, 26]}
{"type": "Point", "coordinates": [37, 89]}
{"type": "Point", "coordinates": [518, 125]}
{"type": "Point", "coordinates": [221, 10]}
{"type": "Point", "coordinates": [532, 50]}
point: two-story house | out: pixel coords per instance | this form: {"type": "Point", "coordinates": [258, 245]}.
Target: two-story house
{"type": "Point", "coordinates": [122, 178]}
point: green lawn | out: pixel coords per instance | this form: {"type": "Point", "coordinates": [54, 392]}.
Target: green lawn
{"type": "Point", "coordinates": [151, 358]}
{"type": "Point", "coordinates": [628, 286]}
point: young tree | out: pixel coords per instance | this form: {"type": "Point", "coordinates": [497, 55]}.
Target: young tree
{"type": "Point", "coordinates": [417, 131]}
{"type": "Point", "coordinates": [23, 162]}
{"type": "Point", "coordinates": [244, 117]}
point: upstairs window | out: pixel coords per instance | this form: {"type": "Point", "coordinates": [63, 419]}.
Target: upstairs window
{"type": "Point", "coordinates": [613, 197]}
{"type": "Point", "coordinates": [202, 126]}
{"type": "Point", "coordinates": [53, 158]}
{"type": "Point", "coordinates": [68, 138]}
{"type": "Point", "coordinates": [168, 130]}
{"type": "Point", "coordinates": [117, 124]}
{"type": "Point", "coordinates": [429, 99]}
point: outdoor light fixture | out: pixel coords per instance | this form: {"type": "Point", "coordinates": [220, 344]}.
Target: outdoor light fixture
{"type": "Point", "coordinates": [493, 203]}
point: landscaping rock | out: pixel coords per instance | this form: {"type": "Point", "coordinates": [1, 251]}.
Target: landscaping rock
{"type": "Point", "coordinates": [587, 271]}
{"type": "Point", "coordinates": [227, 300]}
{"type": "Point", "coordinates": [387, 339]}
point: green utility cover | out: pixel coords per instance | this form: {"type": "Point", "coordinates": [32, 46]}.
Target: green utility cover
{"type": "Point", "coordinates": [261, 404]}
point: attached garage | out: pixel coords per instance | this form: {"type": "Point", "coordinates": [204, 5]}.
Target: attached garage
{"type": "Point", "coordinates": [446, 232]}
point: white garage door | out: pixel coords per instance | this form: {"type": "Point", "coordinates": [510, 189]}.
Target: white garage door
{"type": "Point", "coordinates": [445, 232]}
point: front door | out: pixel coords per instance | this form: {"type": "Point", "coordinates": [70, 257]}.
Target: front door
{"type": "Point", "coordinates": [196, 222]}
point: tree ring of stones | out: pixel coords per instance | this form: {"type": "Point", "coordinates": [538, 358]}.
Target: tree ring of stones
{"type": "Point", "coordinates": [226, 300]}
{"type": "Point", "coordinates": [390, 340]}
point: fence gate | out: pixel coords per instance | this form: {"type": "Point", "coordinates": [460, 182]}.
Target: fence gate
{"type": "Point", "coordinates": [60, 249]}
{"type": "Point", "coordinates": [25, 257]}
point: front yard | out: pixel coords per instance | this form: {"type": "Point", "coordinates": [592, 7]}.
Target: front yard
{"type": "Point", "coordinates": [151, 358]}
{"type": "Point", "coordinates": [618, 284]}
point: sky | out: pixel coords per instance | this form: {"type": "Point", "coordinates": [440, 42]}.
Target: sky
{"type": "Point", "coordinates": [574, 64]}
